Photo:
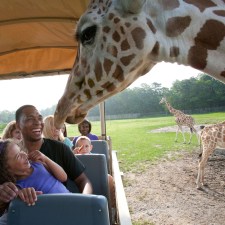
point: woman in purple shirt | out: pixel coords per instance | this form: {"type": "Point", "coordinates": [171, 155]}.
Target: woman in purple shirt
{"type": "Point", "coordinates": [40, 175]}
{"type": "Point", "coordinates": [85, 130]}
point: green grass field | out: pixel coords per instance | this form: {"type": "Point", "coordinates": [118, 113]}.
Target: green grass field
{"type": "Point", "coordinates": [135, 144]}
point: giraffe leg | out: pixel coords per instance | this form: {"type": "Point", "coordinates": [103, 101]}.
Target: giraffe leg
{"type": "Point", "coordinates": [191, 133]}
{"type": "Point", "coordinates": [207, 150]}
{"type": "Point", "coordinates": [201, 167]}
{"type": "Point", "coordinates": [189, 142]}
{"type": "Point", "coordinates": [181, 130]}
{"type": "Point", "coordinates": [178, 128]}
{"type": "Point", "coordinates": [198, 138]}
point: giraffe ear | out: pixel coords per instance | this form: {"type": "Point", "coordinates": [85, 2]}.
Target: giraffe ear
{"type": "Point", "coordinates": [130, 6]}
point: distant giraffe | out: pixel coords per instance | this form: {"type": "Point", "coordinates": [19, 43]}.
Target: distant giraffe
{"type": "Point", "coordinates": [211, 137]}
{"type": "Point", "coordinates": [121, 40]}
{"type": "Point", "coordinates": [182, 120]}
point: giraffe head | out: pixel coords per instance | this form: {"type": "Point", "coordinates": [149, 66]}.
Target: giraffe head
{"type": "Point", "coordinates": [111, 55]}
{"type": "Point", "coordinates": [163, 100]}
{"type": "Point", "coordinates": [120, 40]}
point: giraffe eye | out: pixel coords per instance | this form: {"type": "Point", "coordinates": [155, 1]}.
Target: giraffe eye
{"type": "Point", "coordinates": [87, 36]}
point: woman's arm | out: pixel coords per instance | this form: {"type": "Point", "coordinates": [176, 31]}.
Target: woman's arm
{"type": "Point", "coordinates": [50, 165]}
{"type": "Point", "coordinates": [56, 170]}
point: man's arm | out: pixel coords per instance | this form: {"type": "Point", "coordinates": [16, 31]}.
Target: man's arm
{"type": "Point", "coordinates": [84, 184]}
{"type": "Point", "coordinates": [8, 191]}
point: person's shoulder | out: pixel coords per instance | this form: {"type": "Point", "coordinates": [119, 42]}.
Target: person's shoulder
{"type": "Point", "coordinates": [68, 142]}
{"type": "Point", "coordinates": [36, 164]}
{"type": "Point", "coordinates": [51, 141]}
{"type": "Point", "coordinates": [54, 144]}
{"type": "Point", "coordinates": [93, 137]}
{"type": "Point", "coordinates": [67, 139]}
{"type": "Point", "coordinates": [75, 138]}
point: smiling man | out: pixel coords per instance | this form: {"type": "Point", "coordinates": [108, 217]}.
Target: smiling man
{"type": "Point", "coordinates": [30, 122]}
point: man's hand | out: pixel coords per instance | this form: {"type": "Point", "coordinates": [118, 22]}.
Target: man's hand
{"type": "Point", "coordinates": [8, 191]}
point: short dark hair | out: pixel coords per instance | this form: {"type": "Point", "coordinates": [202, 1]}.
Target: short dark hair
{"type": "Point", "coordinates": [19, 111]}
{"type": "Point", "coordinates": [85, 121]}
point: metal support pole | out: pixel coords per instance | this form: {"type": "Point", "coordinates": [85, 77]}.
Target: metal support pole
{"type": "Point", "coordinates": [103, 120]}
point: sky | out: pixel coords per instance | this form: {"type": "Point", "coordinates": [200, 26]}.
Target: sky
{"type": "Point", "coordinates": [44, 92]}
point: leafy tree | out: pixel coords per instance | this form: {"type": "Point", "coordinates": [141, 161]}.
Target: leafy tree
{"type": "Point", "coordinates": [194, 93]}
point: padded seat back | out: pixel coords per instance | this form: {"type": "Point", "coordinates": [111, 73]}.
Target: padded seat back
{"type": "Point", "coordinates": [97, 173]}
{"type": "Point", "coordinates": [60, 209]}
{"type": "Point", "coordinates": [101, 147]}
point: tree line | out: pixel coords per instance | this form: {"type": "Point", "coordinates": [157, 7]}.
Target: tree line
{"type": "Point", "coordinates": [189, 94]}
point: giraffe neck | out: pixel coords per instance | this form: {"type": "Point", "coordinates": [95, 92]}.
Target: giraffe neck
{"type": "Point", "coordinates": [179, 21]}
{"type": "Point", "coordinates": [171, 109]}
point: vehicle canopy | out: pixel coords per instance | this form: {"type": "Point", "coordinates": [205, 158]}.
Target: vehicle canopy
{"type": "Point", "coordinates": [37, 37]}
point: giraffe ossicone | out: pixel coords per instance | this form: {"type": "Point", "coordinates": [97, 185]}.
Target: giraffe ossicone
{"type": "Point", "coordinates": [120, 40]}
{"type": "Point", "coordinates": [181, 120]}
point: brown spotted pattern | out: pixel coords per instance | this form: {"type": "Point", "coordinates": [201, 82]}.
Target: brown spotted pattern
{"type": "Point", "coordinates": [211, 137]}
{"type": "Point", "coordinates": [109, 86]}
{"type": "Point", "coordinates": [107, 64]}
{"type": "Point", "coordinates": [176, 25]}
{"type": "Point", "coordinates": [208, 38]}
{"type": "Point", "coordinates": [126, 60]}
{"type": "Point", "coordinates": [174, 52]}
{"type": "Point", "coordinates": [116, 36]}
{"type": "Point", "coordinates": [151, 26]}
{"type": "Point", "coordinates": [118, 74]}
{"type": "Point", "coordinates": [219, 12]}
{"type": "Point", "coordinates": [98, 70]}
{"type": "Point", "coordinates": [210, 35]}
{"type": "Point", "coordinates": [170, 4]}
{"type": "Point", "coordinates": [138, 35]}
{"type": "Point", "coordinates": [113, 51]}
{"type": "Point", "coordinates": [125, 45]}
{"type": "Point", "coordinates": [202, 5]}
{"type": "Point", "coordinates": [155, 50]}
{"type": "Point", "coordinates": [197, 57]}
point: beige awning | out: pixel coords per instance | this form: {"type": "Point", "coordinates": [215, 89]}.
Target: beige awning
{"type": "Point", "coordinates": [37, 36]}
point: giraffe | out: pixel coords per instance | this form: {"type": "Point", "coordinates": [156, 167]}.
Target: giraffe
{"type": "Point", "coordinates": [212, 137]}
{"type": "Point", "coordinates": [121, 40]}
{"type": "Point", "coordinates": [181, 120]}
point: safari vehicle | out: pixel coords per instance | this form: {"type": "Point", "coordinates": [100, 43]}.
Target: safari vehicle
{"type": "Point", "coordinates": [37, 39]}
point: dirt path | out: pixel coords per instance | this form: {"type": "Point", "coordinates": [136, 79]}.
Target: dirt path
{"type": "Point", "coordinates": [166, 194]}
